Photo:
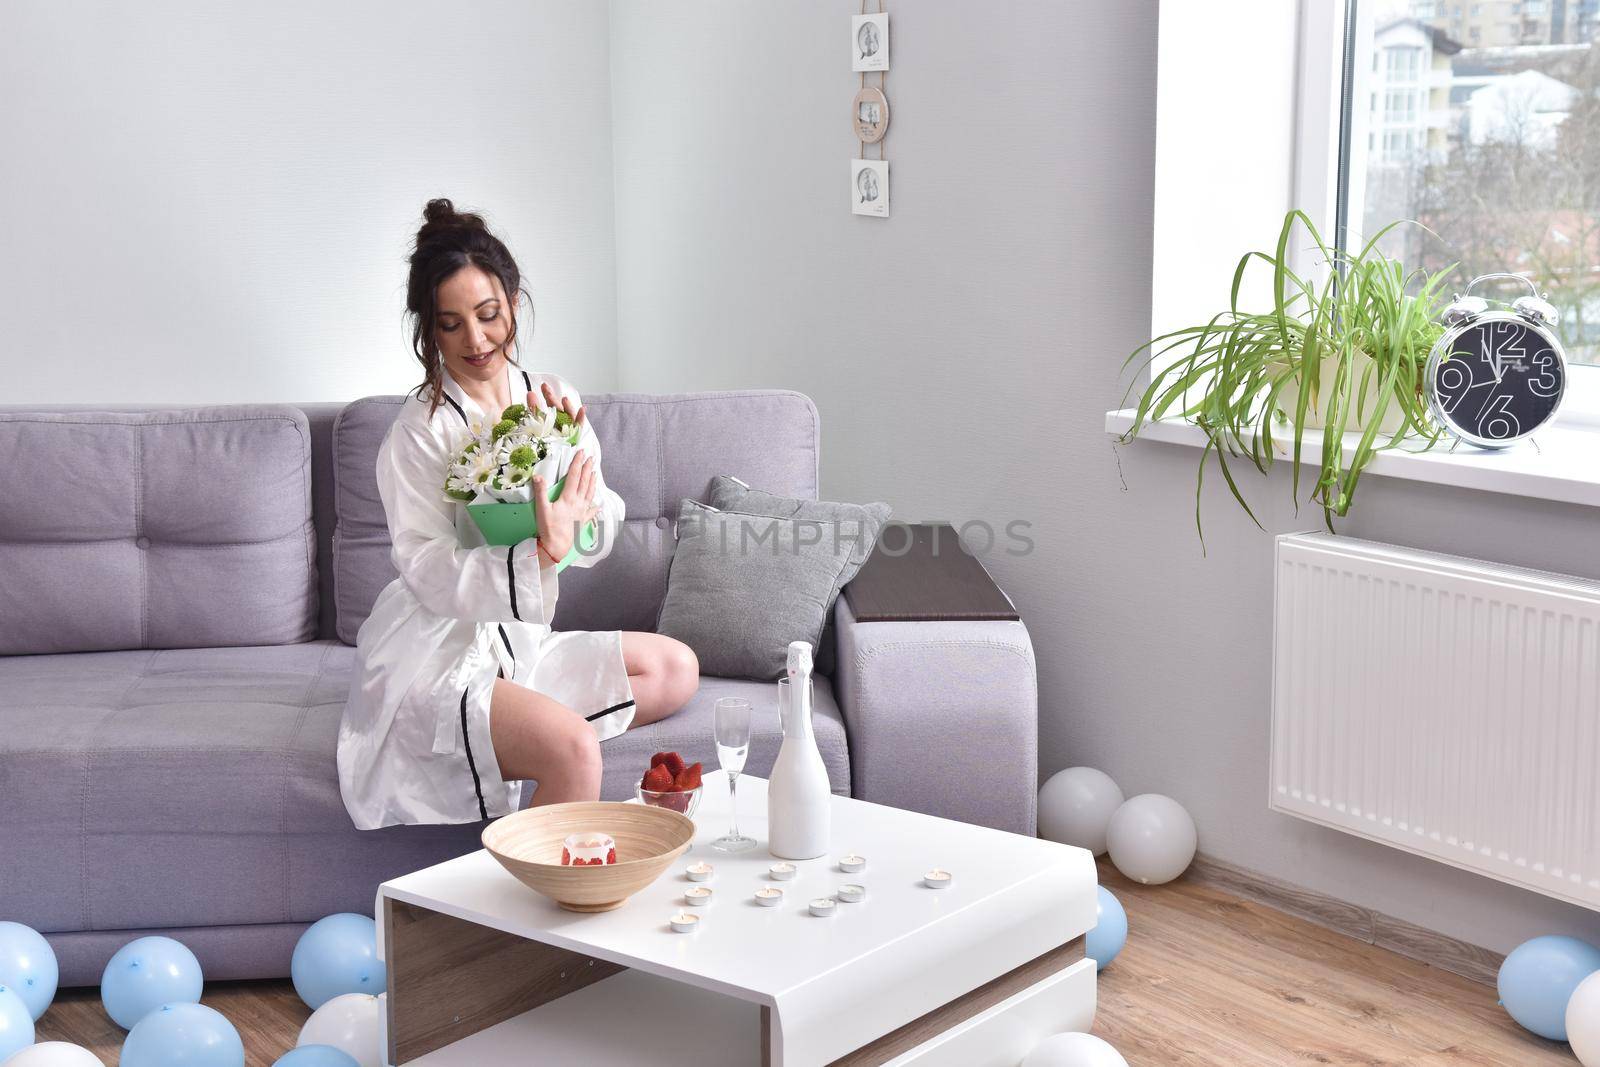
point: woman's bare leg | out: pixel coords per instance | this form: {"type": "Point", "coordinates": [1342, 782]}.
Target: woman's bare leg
{"type": "Point", "coordinates": [663, 671]}
{"type": "Point", "coordinates": [543, 739]}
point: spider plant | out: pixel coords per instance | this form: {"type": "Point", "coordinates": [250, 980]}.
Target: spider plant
{"type": "Point", "coordinates": [1346, 352]}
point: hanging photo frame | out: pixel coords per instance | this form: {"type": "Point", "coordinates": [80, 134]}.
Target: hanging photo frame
{"type": "Point", "coordinates": [869, 113]}
{"type": "Point", "coordinates": [869, 41]}
{"type": "Point", "coordinates": [869, 187]}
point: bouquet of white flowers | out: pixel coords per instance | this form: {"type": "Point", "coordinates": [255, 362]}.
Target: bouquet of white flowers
{"type": "Point", "coordinates": [493, 469]}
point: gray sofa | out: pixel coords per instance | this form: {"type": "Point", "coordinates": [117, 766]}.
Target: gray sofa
{"type": "Point", "coordinates": [181, 594]}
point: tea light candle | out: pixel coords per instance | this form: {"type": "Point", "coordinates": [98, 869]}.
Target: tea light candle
{"type": "Point", "coordinates": [852, 893]}
{"type": "Point", "coordinates": [782, 871]}
{"type": "Point", "coordinates": [852, 863]}
{"type": "Point", "coordinates": [769, 897]}
{"type": "Point", "coordinates": [589, 848]}
{"type": "Point", "coordinates": [937, 879]}
{"type": "Point", "coordinates": [684, 923]}
{"type": "Point", "coordinates": [699, 872]}
{"type": "Point", "coordinates": [698, 895]}
{"type": "Point", "coordinates": [823, 906]}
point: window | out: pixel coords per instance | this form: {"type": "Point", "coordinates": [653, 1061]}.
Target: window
{"type": "Point", "coordinates": [1497, 154]}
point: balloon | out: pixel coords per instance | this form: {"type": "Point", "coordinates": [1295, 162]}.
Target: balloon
{"type": "Point", "coordinates": [54, 1054]}
{"type": "Point", "coordinates": [1076, 805]}
{"type": "Point", "coordinates": [1106, 938]}
{"type": "Point", "coordinates": [337, 954]}
{"type": "Point", "coordinates": [183, 1035]}
{"type": "Point", "coordinates": [147, 973]}
{"type": "Point", "coordinates": [1074, 1050]}
{"type": "Point", "coordinates": [1539, 977]}
{"type": "Point", "coordinates": [1151, 839]}
{"type": "Point", "coordinates": [1583, 1021]}
{"type": "Point", "coordinates": [316, 1056]}
{"type": "Point", "coordinates": [16, 1023]}
{"type": "Point", "coordinates": [348, 1022]}
{"type": "Point", "coordinates": [28, 966]}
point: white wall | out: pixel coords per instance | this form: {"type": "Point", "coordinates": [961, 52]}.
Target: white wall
{"type": "Point", "coordinates": [964, 351]}
{"type": "Point", "coordinates": [212, 203]}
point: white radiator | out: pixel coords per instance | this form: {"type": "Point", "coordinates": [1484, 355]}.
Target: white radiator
{"type": "Point", "coordinates": [1442, 705]}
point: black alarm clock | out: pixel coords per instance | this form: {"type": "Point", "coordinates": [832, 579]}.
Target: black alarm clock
{"type": "Point", "coordinates": [1495, 377]}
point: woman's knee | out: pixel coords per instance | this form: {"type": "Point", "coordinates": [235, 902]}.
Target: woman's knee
{"type": "Point", "coordinates": [683, 671]}
{"type": "Point", "coordinates": [577, 754]}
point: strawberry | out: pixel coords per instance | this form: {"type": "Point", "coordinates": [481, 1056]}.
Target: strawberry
{"type": "Point", "coordinates": [658, 759]}
{"type": "Point", "coordinates": [674, 764]}
{"type": "Point", "coordinates": [611, 855]}
{"type": "Point", "coordinates": [689, 778]}
{"type": "Point", "coordinates": [658, 779]}
{"type": "Point", "coordinates": [566, 857]}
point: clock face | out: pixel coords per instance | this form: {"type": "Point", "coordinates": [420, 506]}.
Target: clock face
{"type": "Point", "coordinates": [1497, 379]}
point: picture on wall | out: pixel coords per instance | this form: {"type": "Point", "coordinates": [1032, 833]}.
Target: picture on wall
{"type": "Point", "coordinates": [869, 42]}
{"type": "Point", "coordinates": [869, 187]}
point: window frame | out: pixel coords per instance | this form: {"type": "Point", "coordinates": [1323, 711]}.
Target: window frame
{"type": "Point", "coordinates": [1322, 126]}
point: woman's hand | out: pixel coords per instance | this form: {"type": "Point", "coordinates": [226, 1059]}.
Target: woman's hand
{"type": "Point", "coordinates": [560, 519]}
{"type": "Point", "coordinates": [550, 402]}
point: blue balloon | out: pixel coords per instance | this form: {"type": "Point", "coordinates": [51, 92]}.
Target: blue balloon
{"type": "Point", "coordinates": [317, 1056]}
{"type": "Point", "coordinates": [16, 1023]}
{"type": "Point", "coordinates": [337, 955]}
{"type": "Point", "coordinates": [147, 973]}
{"type": "Point", "coordinates": [183, 1035]}
{"type": "Point", "coordinates": [1106, 938]}
{"type": "Point", "coordinates": [28, 966]}
{"type": "Point", "coordinates": [1537, 980]}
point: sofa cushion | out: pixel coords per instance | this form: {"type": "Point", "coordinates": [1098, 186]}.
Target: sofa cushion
{"type": "Point", "coordinates": [655, 450]}
{"type": "Point", "coordinates": [154, 789]}
{"type": "Point", "coordinates": [193, 788]}
{"type": "Point", "coordinates": [170, 529]}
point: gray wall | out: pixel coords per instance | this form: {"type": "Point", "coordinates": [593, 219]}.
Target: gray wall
{"type": "Point", "coordinates": [211, 203]}
{"type": "Point", "coordinates": [989, 316]}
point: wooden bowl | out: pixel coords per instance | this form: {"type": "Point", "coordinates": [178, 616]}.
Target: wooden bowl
{"type": "Point", "coordinates": [528, 844]}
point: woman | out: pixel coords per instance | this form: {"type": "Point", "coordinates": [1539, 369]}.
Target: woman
{"type": "Point", "coordinates": [461, 689]}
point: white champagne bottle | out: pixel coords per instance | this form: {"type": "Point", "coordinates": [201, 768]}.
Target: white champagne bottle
{"type": "Point", "coordinates": [799, 800]}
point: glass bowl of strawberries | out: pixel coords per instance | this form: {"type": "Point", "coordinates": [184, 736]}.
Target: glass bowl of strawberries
{"type": "Point", "coordinates": [671, 784]}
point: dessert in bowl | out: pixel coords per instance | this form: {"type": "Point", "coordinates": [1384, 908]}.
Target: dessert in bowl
{"type": "Point", "coordinates": [647, 839]}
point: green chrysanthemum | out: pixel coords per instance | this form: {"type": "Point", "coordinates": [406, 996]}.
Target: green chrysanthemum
{"type": "Point", "coordinates": [524, 456]}
{"type": "Point", "coordinates": [514, 412]}
{"type": "Point", "coordinates": [563, 420]}
{"type": "Point", "coordinates": [503, 427]}
{"type": "Point", "coordinates": [458, 494]}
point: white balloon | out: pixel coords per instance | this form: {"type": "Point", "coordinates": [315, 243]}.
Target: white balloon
{"type": "Point", "coordinates": [1151, 839]}
{"type": "Point", "coordinates": [1583, 1021]}
{"type": "Point", "coordinates": [1074, 1050]}
{"type": "Point", "coordinates": [1076, 805]}
{"type": "Point", "coordinates": [54, 1054]}
{"type": "Point", "coordinates": [348, 1022]}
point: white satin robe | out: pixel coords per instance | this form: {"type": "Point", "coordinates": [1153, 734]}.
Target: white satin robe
{"type": "Point", "coordinates": [414, 742]}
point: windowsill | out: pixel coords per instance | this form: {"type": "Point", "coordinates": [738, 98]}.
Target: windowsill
{"type": "Point", "coordinates": [1561, 463]}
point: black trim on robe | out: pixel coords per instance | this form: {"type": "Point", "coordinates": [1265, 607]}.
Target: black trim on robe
{"type": "Point", "coordinates": [511, 581]}
{"type": "Point", "coordinates": [472, 765]}
{"type": "Point", "coordinates": [608, 711]}
{"type": "Point", "coordinates": [464, 420]}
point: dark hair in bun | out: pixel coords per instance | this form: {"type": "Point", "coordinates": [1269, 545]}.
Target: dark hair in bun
{"type": "Point", "coordinates": [448, 241]}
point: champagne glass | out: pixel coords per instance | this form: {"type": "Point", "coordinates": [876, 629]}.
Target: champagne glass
{"type": "Point", "coordinates": [730, 721]}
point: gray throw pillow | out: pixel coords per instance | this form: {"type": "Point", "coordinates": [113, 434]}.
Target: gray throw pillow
{"type": "Point", "coordinates": [859, 528]}
{"type": "Point", "coordinates": [741, 587]}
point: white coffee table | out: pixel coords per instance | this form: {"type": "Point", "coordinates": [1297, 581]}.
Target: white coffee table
{"type": "Point", "coordinates": [482, 970]}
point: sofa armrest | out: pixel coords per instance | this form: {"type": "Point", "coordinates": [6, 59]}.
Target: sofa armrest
{"type": "Point", "coordinates": [942, 715]}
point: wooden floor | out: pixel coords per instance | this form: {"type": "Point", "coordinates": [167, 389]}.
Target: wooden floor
{"type": "Point", "coordinates": [1206, 978]}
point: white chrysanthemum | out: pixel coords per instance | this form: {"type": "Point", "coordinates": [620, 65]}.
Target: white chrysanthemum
{"type": "Point", "coordinates": [516, 476]}
{"type": "Point", "coordinates": [481, 468]}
